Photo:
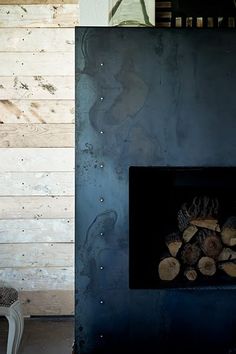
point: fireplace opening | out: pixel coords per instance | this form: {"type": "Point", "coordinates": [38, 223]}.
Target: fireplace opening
{"type": "Point", "coordinates": [182, 227]}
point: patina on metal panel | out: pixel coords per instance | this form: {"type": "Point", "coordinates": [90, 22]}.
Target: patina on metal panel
{"type": "Point", "coordinates": [146, 97]}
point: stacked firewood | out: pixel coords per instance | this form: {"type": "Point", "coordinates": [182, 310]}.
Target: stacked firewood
{"type": "Point", "coordinates": [200, 246]}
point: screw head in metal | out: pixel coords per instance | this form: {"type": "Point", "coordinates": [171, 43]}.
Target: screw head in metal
{"type": "Point", "coordinates": [101, 267]}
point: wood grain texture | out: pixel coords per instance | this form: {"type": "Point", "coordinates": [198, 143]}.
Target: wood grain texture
{"type": "Point", "coordinates": [36, 183]}
{"type": "Point", "coordinates": [37, 87]}
{"type": "Point", "coordinates": [36, 207]}
{"type": "Point", "coordinates": [54, 64]}
{"type": "Point", "coordinates": [37, 255]}
{"type": "Point", "coordinates": [46, 303]}
{"type": "Point", "coordinates": [37, 2]}
{"type": "Point", "coordinates": [36, 135]}
{"type": "Point", "coordinates": [44, 40]}
{"type": "Point", "coordinates": [42, 111]}
{"type": "Point", "coordinates": [27, 279]}
{"type": "Point", "coordinates": [39, 15]}
{"type": "Point", "coordinates": [37, 160]}
{"type": "Point", "coordinates": [37, 231]}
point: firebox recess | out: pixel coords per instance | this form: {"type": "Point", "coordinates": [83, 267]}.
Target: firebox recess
{"type": "Point", "coordinates": [182, 227]}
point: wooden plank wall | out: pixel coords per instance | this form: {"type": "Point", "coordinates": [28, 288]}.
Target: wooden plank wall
{"type": "Point", "coordinates": [37, 152]}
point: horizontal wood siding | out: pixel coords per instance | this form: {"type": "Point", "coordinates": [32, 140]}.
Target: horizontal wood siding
{"type": "Point", "coordinates": [36, 87]}
{"type": "Point", "coordinates": [36, 231]}
{"type": "Point", "coordinates": [28, 64]}
{"type": "Point", "coordinates": [36, 135]}
{"type": "Point", "coordinates": [48, 302]}
{"type": "Point", "coordinates": [37, 160]}
{"type": "Point", "coordinates": [48, 207]}
{"type": "Point", "coordinates": [36, 183]}
{"type": "Point", "coordinates": [37, 255]}
{"type": "Point", "coordinates": [37, 117]}
{"type": "Point", "coordinates": [34, 40]}
{"type": "Point", "coordinates": [34, 279]}
{"type": "Point", "coordinates": [41, 111]}
{"type": "Point", "coordinates": [58, 15]}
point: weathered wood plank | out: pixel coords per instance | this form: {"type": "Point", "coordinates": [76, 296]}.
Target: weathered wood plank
{"type": "Point", "coordinates": [37, 160]}
{"type": "Point", "coordinates": [37, 87]}
{"type": "Point", "coordinates": [37, 255]}
{"type": "Point", "coordinates": [37, 40]}
{"type": "Point", "coordinates": [43, 64]}
{"type": "Point", "coordinates": [28, 279]}
{"type": "Point", "coordinates": [39, 15]}
{"type": "Point", "coordinates": [36, 230]}
{"type": "Point", "coordinates": [36, 183]}
{"type": "Point", "coordinates": [55, 302]}
{"type": "Point", "coordinates": [36, 135]}
{"type": "Point", "coordinates": [37, 2]}
{"type": "Point", "coordinates": [36, 207]}
{"type": "Point", "coordinates": [43, 111]}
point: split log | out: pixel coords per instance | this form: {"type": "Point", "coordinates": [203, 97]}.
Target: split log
{"type": "Point", "coordinates": [190, 253]}
{"type": "Point", "coordinates": [229, 268]}
{"type": "Point", "coordinates": [190, 274]}
{"type": "Point", "coordinates": [211, 224]}
{"type": "Point", "coordinates": [200, 208]}
{"type": "Point", "coordinates": [168, 268]}
{"type": "Point", "coordinates": [228, 232]}
{"type": "Point", "coordinates": [174, 243]}
{"type": "Point", "coordinates": [189, 233]}
{"type": "Point", "coordinates": [210, 243]}
{"type": "Point", "coordinates": [207, 266]}
{"type": "Point", "coordinates": [227, 254]}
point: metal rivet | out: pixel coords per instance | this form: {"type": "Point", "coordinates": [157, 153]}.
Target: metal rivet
{"type": "Point", "coordinates": [101, 267]}
{"type": "Point", "coordinates": [101, 233]}
{"type": "Point", "coordinates": [101, 98]}
{"type": "Point", "coordinates": [102, 64]}
{"type": "Point", "coordinates": [101, 165]}
{"type": "Point", "coordinates": [101, 302]}
{"type": "Point", "coordinates": [101, 132]}
{"type": "Point", "coordinates": [101, 199]}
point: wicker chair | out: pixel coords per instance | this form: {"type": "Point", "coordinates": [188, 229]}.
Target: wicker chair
{"type": "Point", "coordinates": [10, 308]}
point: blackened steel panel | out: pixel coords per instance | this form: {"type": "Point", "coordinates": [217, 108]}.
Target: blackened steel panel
{"type": "Point", "coordinates": [146, 97]}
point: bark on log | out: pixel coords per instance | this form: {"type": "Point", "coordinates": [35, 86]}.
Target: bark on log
{"type": "Point", "coordinates": [211, 224]}
{"type": "Point", "coordinates": [207, 266]}
{"type": "Point", "coordinates": [168, 268]}
{"type": "Point", "coordinates": [190, 253]}
{"type": "Point", "coordinates": [190, 274]}
{"type": "Point", "coordinates": [174, 243]}
{"type": "Point", "coordinates": [210, 243]}
{"type": "Point", "coordinates": [189, 233]}
{"type": "Point", "coordinates": [199, 208]}
{"type": "Point", "coordinates": [228, 233]}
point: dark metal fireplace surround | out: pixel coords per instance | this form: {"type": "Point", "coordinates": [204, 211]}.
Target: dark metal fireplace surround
{"type": "Point", "coordinates": [155, 124]}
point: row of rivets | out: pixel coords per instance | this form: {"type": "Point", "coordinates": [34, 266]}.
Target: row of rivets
{"type": "Point", "coordinates": [101, 201]}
